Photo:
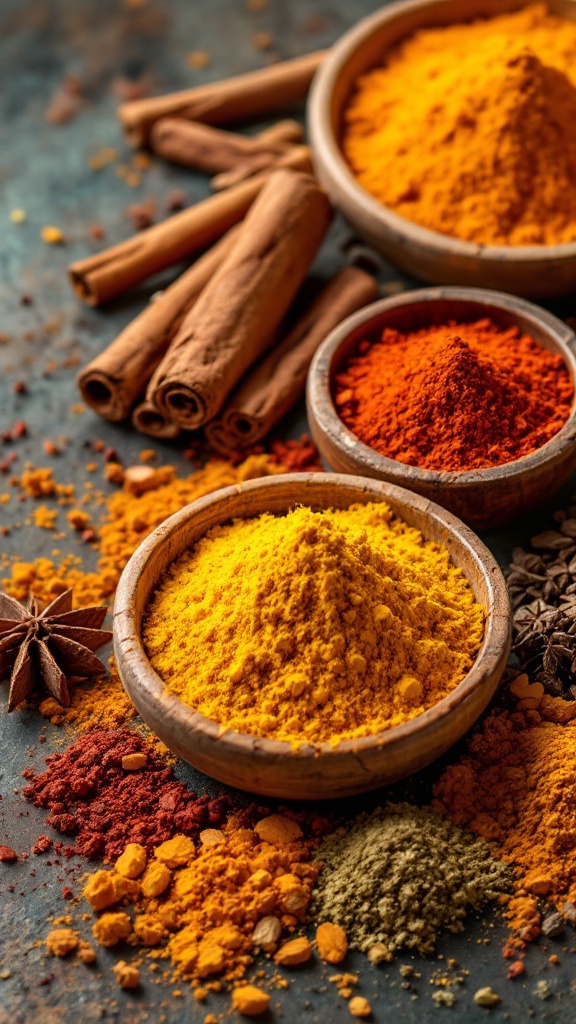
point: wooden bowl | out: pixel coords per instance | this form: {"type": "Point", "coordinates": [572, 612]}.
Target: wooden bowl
{"type": "Point", "coordinates": [268, 766]}
{"type": "Point", "coordinates": [481, 497]}
{"type": "Point", "coordinates": [535, 271]}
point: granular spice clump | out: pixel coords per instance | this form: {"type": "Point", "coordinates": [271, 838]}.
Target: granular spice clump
{"type": "Point", "coordinates": [516, 788]}
{"type": "Point", "coordinates": [335, 624]}
{"type": "Point", "coordinates": [104, 807]}
{"type": "Point", "coordinates": [401, 875]}
{"type": "Point", "coordinates": [206, 917]}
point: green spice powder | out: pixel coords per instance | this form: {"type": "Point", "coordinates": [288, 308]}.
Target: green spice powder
{"type": "Point", "coordinates": [401, 875]}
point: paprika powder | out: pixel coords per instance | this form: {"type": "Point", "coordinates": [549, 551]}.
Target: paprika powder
{"type": "Point", "coordinates": [459, 396]}
{"type": "Point", "coordinates": [106, 806]}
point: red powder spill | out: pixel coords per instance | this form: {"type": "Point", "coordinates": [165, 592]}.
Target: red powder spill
{"type": "Point", "coordinates": [90, 796]}
{"type": "Point", "coordinates": [297, 456]}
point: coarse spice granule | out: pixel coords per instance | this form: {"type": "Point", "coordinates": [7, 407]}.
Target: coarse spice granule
{"type": "Point", "coordinates": [210, 909]}
{"type": "Point", "coordinates": [401, 875]}
{"type": "Point", "coordinates": [516, 788]}
{"type": "Point", "coordinates": [335, 624]}
{"type": "Point", "coordinates": [457, 396]}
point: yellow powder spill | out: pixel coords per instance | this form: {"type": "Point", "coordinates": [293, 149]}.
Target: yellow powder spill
{"type": "Point", "coordinates": [127, 520]}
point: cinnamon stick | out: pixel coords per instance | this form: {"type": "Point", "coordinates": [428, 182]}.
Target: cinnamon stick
{"type": "Point", "coordinates": [199, 146]}
{"type": "Point", "coordinates": [149, 420]}
{"type": "Point", "coordinates": [116, 378]}
{"type": "Point", "coordinates": [275, 384]}
{"type": "Point", "coordinates": [105, 274]}
{"type": "Point", "coordinates": [231, 99]}
{"type": "Point", "coordinates": [236, 317]}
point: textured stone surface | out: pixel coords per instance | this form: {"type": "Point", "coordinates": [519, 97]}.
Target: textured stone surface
{"type": "Point", "coordinates": [44, 170]}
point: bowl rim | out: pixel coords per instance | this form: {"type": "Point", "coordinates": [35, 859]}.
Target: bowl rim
{"type": "Point", "coordinates": [322, 408]}
{"type": "Point", "coordinates": [323, 139]}
{"type": "Point", "coordinates": [495, 642]}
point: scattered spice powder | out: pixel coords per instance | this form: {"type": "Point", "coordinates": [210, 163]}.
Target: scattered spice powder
{"type": "Point", "coordinates": [400, 875]}
{"type": "Point", "coordinates": [458, 396]}
{"type": "Point", "coordinates": [51, 235]}
{"type": "Point", "coordinates": [208, 907]}
{"type": "Point", "coordinates": [128, 519]}
{"type": "Point", "coordinates": [45, 518]}
{"type": "Point", "coordinates": [337, 624]}
{"type": "Point", "coordinates": [103, 807]}
{"type": "Point", "coordinates": [466, 147]}
{"type": "Point", "coordinates": [515, 788]}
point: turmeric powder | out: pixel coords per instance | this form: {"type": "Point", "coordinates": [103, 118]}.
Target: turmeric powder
{"type": "Point", "coordinates": [483, 148]}
{"type": "Point", "coordinates": [127, 520]}
{"type": "Point", "coordinates": [313, 626]}
{"type": "Point", "coordinates": [515, 787]}
{"type": "Point", "coordinates": [206, 919]}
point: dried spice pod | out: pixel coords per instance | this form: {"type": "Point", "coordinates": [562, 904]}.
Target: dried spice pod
{"type": "Point", "coordinates": [49, 647]}
{"type": "Point", "coordinates": [542, 588]}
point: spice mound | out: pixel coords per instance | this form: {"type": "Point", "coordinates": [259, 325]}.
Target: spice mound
{"type": "Point", "coordinates": [400, 876]}
{"type": "Point", "coordinates": [515, 787]}
{"type": "Point", "coordinates": [454, 397]}
{"type": "Point", "coordinates": [313, 626]}
{"type": "Point", "coordinates": [110, 789]}
{"type": "Point", "coordinates": [214, 907]}
{"type": "Point", "coordinates": [481, 149]}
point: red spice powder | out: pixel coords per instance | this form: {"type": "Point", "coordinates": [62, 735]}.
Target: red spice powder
{"type": "Point", "coordinates": [92, 797]}
{"type": "Point", "coordinates": [460, 396]}
{"type": "Point", "coordinates": [297, 456]}
{"type": "Point", "coordinates": [104, 806]}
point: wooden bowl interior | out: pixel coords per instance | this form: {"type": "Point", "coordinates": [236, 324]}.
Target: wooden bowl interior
{"type": "Point", "coordinates": [543, 271]}
{"type": "Point", "coordinates": [272, 767]}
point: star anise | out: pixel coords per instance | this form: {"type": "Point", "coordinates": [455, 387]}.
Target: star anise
{"type": "Point", "coordinates": [49, 647]}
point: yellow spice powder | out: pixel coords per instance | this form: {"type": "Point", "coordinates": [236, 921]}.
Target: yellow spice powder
{"type": "Point", "coordinates": [313, 627]}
